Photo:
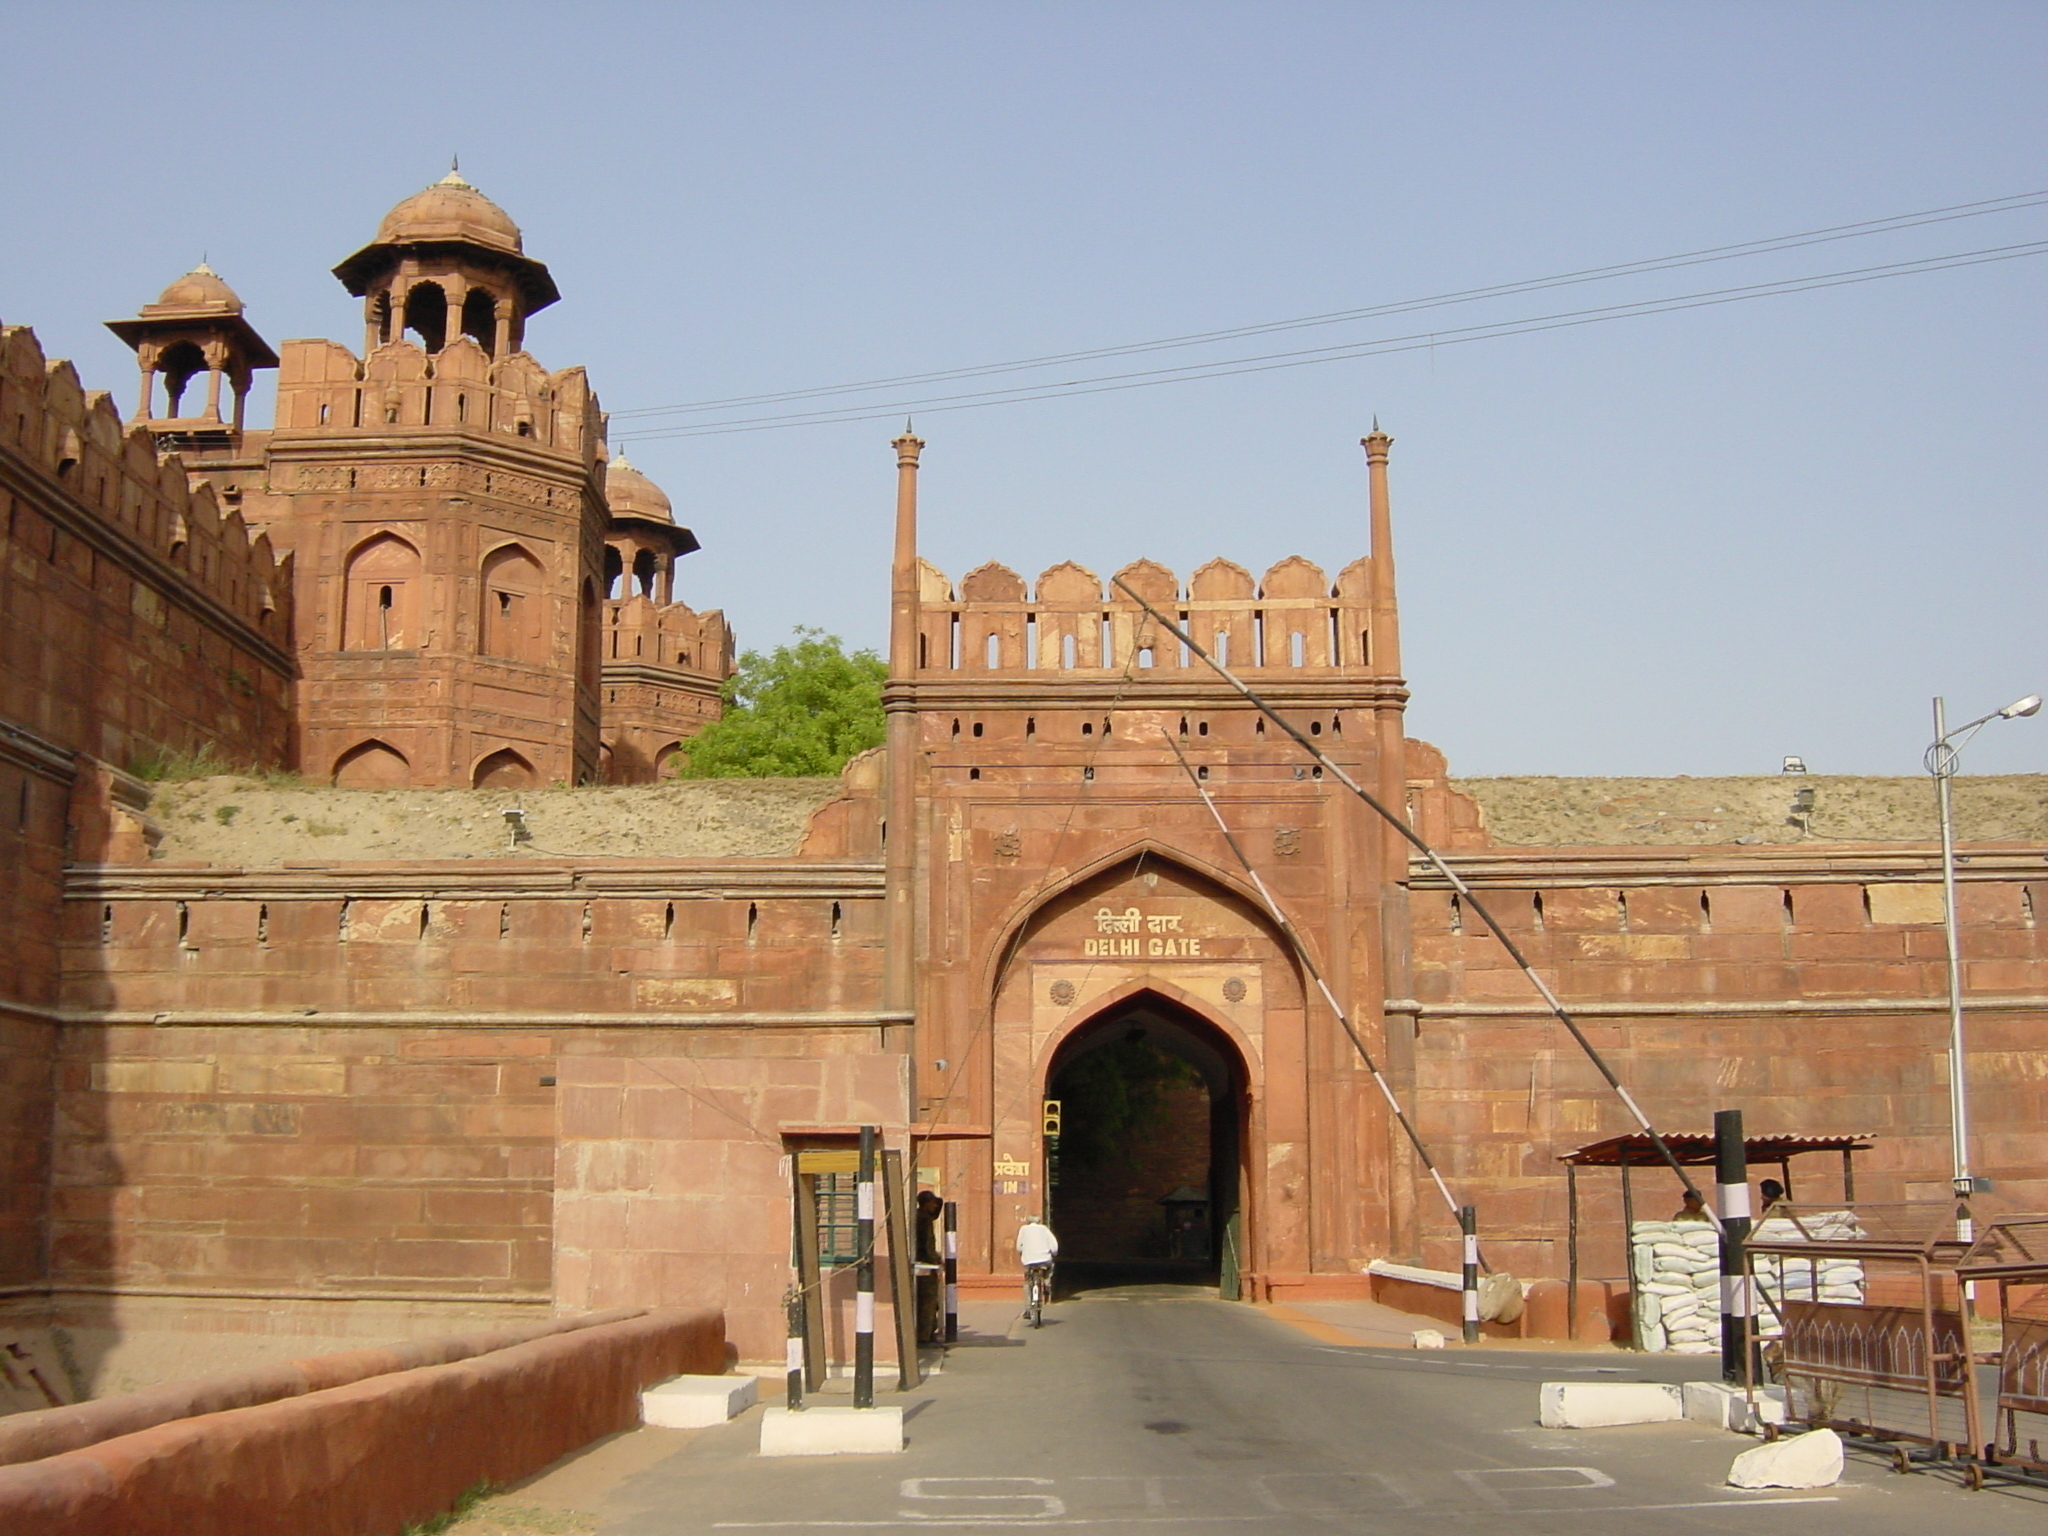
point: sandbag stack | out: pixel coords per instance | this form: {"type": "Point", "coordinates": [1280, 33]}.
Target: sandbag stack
{"type": "Point", "coordinates": [1780, 1280]}
{"type": "Point", "coordinates": [1676, 1271]}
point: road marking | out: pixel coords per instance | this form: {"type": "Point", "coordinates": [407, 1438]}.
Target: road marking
{"type": "Point", "coordinates": [1482, 1481]}
{"type": "Point", "coordinates": [1001, 1522]}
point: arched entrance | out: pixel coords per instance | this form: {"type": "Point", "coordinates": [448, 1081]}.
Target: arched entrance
{"type": "Point", "coordinates": [1143, 1180]}
{"type": "Point", "coordinates": [1148, 968]}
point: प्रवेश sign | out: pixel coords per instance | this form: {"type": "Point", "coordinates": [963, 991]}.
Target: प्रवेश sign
{"type": "Point", "coordinates": [1154, 936]}
{"type": "Point", "coordinates": [1012, 1176]}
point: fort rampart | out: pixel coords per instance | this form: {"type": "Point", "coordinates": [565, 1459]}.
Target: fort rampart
{"type": "Point", "coordinates": [136, 621]}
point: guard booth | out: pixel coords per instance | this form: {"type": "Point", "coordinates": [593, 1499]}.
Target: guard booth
{"type": "Point", "coordinates": [1692, 1149]}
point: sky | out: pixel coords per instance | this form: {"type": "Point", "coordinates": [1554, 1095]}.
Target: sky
{"type": "Point", "coordinates": [1689, 542]}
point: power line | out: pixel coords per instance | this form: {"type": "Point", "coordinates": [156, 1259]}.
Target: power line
{"type": "Point", "coordinates": [2015, 203]}
{"type": "Point", "coordinates": [1414, 341]}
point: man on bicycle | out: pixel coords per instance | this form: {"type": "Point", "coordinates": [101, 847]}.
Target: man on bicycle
{"type": "Point", "coordinates": [1036, 1247]}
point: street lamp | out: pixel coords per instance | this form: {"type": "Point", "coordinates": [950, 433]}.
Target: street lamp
{"type": "Point", "coordinates": [1941, 763]}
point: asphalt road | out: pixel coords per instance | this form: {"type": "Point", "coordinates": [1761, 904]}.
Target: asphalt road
{"type": "Point", "coordinates": [1133, 1412]}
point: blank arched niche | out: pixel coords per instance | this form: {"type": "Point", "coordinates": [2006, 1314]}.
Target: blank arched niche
{"type": "Point", "coordinates": [670, 762]}
{"type": "Point", "coordinates": [380, 606]}
{"type": "Point", "coordinates": [504, 769]}
{"type": "Point", "coordinates": [511, 623]}
{"type": "Point", "coordinates": [372, 765]}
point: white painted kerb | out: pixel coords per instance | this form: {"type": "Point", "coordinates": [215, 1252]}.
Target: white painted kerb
{"type": "Point", "coordinates": [832, 1432]}
{"type": "Point", "coordinates": [693, 1402]}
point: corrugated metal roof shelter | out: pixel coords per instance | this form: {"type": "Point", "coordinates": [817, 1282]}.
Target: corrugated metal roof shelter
{"type": "Point", "coordinates": [1692, 1149]}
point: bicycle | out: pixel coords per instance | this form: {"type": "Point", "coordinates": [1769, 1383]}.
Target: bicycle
{"type": "Point", "coordinates": [1037, 1292]}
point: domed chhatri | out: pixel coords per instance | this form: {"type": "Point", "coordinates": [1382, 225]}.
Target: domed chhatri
{"type": "Point", "coordinates": [446, 247]}
{"type": "Point", "coordinates": [629, 493]}
{"type": "Point", "coordinates": [196, 326]}
{"type": "Point", "coordinates": [450, 209]}
{"type": "Point", "coordinates": [199, 291]}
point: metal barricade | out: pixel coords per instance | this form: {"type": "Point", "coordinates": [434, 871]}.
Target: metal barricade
{"type": "Point", "coordinates": [2013, 1253]}
{"type": "Point", "coordinates": [1892, 1362]}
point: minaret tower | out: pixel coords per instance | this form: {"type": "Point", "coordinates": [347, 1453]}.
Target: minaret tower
{"type": "Point", "coordinates": [442, 496]}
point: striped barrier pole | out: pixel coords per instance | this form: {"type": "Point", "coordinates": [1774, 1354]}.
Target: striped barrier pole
{"type": "Point", "coordinates": [952, 1254]}
{"type": "Point", "coordinates": [1468, 1223]}
{"type": "Point", "coordinates": [1731, 1172]}
{"type": "Point", "coordinates": [864, 1275]}
{"type": "Point", "coordinates": [794, 1302]}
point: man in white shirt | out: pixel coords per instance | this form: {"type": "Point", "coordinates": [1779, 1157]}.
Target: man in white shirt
{"type": "Point", "coordinates": [1036, 1246]}
{"type": "Point", "coordinates": [1035, 1243]}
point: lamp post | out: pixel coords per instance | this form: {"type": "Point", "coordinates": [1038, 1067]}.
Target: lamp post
{"type": "Point", "coordinates": [1941, 763]}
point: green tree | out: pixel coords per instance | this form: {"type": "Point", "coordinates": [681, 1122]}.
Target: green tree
{"type": "Point", "coordinates": [802, 709]}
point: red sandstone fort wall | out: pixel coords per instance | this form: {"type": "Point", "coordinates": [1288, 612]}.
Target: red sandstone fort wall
{"type": "Point", "coordinates": [137, 616]}
{"type": "Point", "coordinates": [299, 1092]}
{"type": "Point", "coordinates": [1807, 990]}
{"type": "Point", "coordinates": [134, 619]}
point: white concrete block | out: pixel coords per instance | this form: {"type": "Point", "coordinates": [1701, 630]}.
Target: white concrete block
{"type": "Point", "coordinates": [832, 1432]}
{"type": "Point", "coordinates": [1726, 1407]}
{"type": "Point", "coordinates": [1598, 1404]}
{"type": "Point", "coordinates": [692, 1402]}
{"type": "Point", "coordinates": [1427, 1338]}
{"type": "Point", "coordinates": [1802, 1461]}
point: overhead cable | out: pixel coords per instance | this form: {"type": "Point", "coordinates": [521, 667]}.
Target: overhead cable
{"type": "Point", "coordinates": [1891, 224]}
{"type": "Point", "coordinates": [1411, 342]}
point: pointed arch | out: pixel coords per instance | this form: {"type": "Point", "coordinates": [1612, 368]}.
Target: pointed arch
{"type": "Point", "coordinates": [372, 764]}
{"type": "Point", "coordinates": [1015, 925]}
{"type": "Point", "coordinates": [510, 626]}
{"type": "Point", "coordinates": [503, 769]}
{"type": "Point", "coordinates": [381, 595]}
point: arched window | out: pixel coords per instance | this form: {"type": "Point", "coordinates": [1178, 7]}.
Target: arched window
{"type": "Point", "coordinates": [643, 573]}
{"type": "Point", "coordinates": [426, 315]}
{"type": "Point", "coordinates": [504, 769]}
{"type": "Point", "coordinates": [480, 320]}
{"type": "Point", "coordinates": [589, 633]}
{"type": "Point", "coordinates": [372, 765]}
{"type": "Point", "coordinates": [614, 572]}
{"type": "Point", "coordinates": [179, 365]}
{"type": "Point", "coordinates": [511, 625]}
{"type": "Point", "coordinates": [380, 606]}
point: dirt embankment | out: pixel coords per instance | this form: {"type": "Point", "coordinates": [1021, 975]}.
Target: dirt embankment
{"type": "Point", "coordinates": [245, 822]}
{"type": "Point", "coordinates": [1543, 812]}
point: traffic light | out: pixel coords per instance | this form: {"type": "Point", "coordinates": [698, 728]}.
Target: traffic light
{"type": "Point", "coordinates": [1052, 1117]}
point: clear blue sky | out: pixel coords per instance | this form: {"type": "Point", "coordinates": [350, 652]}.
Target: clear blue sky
{"type": "Point", "coordinates": [1690, 543]}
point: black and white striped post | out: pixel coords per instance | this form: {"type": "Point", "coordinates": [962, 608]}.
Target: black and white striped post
{"type": "Point", "coordinates": [1468, 1223]}
{"type": "Point", "coordinates": [794, 1303]}
{"type": "Point", "coordinates": [952, 1254]}
{"type": "Point", "coordinates": [1731, 1172]}
{"type": "Point", "coordinates": [864, 1275]}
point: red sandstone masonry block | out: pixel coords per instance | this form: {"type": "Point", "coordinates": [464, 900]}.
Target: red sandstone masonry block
{"type": "Point", "coordinates": [433, 1259]}
{"type": "Point", "coordinates": [1579, 909]}
{"type": "Point", "coordinates": [1982, 902]}
{"type": "Point", "coordinates": [1664, 909]}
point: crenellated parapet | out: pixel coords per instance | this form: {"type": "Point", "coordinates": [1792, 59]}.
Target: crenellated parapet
{"type": "Point", "coordinates": [92, 475]}
{"type": "Point", "coordinates": [324, 387]}
{"type": "Point", "coordinates": [1294, 619]}
{"type": "Point", "coordinates": [665, 668]}
{"type": "Point", "coordinates": [672, 636]}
